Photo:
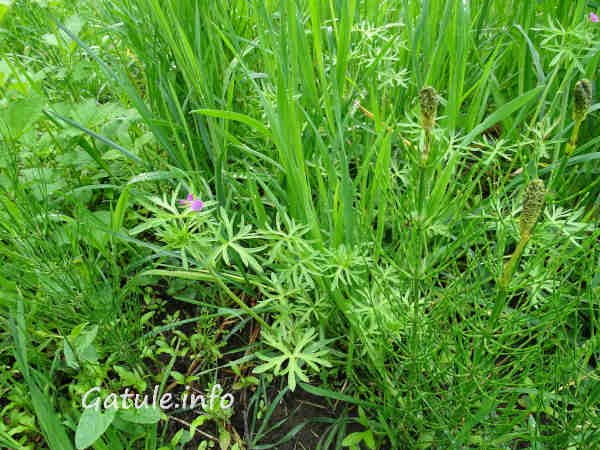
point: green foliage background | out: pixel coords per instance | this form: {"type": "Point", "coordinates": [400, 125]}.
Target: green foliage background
{"type": "Point", "coordinates": [329, 259]}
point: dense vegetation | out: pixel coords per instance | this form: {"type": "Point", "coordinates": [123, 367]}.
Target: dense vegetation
{"type": "Point", "coordinates": [374, 223]}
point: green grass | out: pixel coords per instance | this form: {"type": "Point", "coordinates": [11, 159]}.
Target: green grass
{"type": "Point", "coordinates": [331, 264]}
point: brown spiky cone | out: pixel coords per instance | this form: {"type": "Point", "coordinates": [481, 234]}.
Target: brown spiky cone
{"type": "Point", "coordinates": [582, 100]}
{"type": "Point", "coordinates": [429, 100]}
{"type": "Point", "coordinates": [533, 203]}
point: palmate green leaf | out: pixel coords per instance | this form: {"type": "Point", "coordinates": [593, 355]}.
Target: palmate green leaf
{"type": "Point", "coordinates": [272, 341]}
{"type": "Point", "coordinates": [20, 115]}
{"type": "Point", "coordinates": [292, 370]}
{"type": "Point", "coordinates": [271, 364]}
{"type": "Point", "coordinates": [315, 359]}
{"type": "Point", "coordinates": [246, 257]}
{"type": "Point", "coordinates": [306, 351]}
{"type": "Point", "coordinates": [92, 424]}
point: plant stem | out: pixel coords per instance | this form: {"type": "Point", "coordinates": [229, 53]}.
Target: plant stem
{"type": "Point", "coordinates": [510, 265]}
{"type": "Point", "coordinates": [425, 153]}
{"type": "Point", "coordinates": [573, 140]}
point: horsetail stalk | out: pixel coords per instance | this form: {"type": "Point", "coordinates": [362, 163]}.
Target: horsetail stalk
{"type": "Point", "coordinates": [533, 204]}
{"type": "Point", "coordinates": [428, 99]}
{"type": "Point", "coordinates": [581, 105]}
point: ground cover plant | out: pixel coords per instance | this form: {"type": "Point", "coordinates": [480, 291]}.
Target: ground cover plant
{"type": "Point", "coordinates": [338, 224]}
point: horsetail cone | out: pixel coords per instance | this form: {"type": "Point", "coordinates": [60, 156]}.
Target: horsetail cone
{"type": "Point", "coordinates": [428, 98]}
{"type": "Point", "coordinates": [533, 204]}
{"type": "Point", "coordinates": [583, 99]}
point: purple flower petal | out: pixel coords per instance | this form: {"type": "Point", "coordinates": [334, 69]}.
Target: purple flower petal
{"type": "Point", "coordinates": [594, 17]}
{"type": "Point", "coordinates": [196, 205]}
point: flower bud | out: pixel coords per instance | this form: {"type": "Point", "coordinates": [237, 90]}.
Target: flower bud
{"type": "Point", "coordinates": [533, 203]}
{"type": "Point", "coordinates": [428, 98]}
{"type": "Point", "coordinates": [583, 99]}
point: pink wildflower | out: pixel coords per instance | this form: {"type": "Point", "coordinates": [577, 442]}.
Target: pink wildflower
{"type": "Point", "coordinates": [195, 204]}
